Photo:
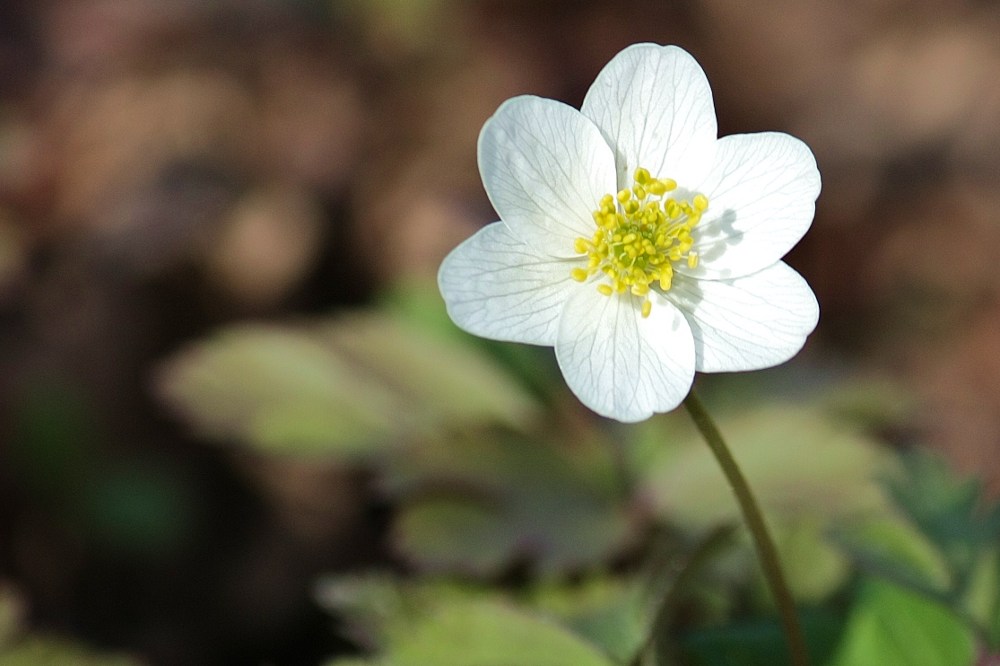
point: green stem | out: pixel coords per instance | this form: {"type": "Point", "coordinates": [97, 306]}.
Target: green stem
{"type": "Point", "coordinates": [766, 551]}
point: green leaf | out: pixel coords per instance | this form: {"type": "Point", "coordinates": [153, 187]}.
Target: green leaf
{"type": "Point", "coordinates": [488, 633]}
{"type": "Point", "coordinates": [807, 469]}
{"type": "Point", "coordinates": [798, 460]}
{"type": "Point", "coordinates": [761, 642]}
{"type": "Point", "coordinates": [948, 510]}
{"type": "Point", "coordinates": [478, 505]}
{"type": "Point", "coordinates": [345, 387]}
{"type": "Point", "coordinates": [447, 625]}
{"type": "Point", "coordinates": [890, 625]}
{"type": "Point", "coordinates": [892, 548]}
{"type": "Point", "coordinates": [609, 612]}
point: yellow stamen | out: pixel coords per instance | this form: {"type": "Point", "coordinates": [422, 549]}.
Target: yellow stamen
{"type": "Point", "coordinates": [640, 233]}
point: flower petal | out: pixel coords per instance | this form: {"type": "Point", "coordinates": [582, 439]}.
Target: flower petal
{"type": "Point", "coordinates": [654, 107]}
{"type": "Point", "coordinates": [620, 364]}
{"type": "Point", "coordinates": [762, 197]}
{"type": "Point", "coordinates": [747, 323]}
{"type": "Point", "coordinates": [497, 287]}
{"type": "Point", "coordinates": [545, 168]}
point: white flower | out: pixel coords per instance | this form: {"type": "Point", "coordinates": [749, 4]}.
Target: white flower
{"type": "Point", "coordinates": [634, 240]}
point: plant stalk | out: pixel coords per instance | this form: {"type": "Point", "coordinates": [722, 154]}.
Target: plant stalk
{"type": "Point", "coordinates": [766, 551]}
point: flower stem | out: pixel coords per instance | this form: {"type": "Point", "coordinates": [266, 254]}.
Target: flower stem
{"type": "Point", "coordinates": [766, 551]}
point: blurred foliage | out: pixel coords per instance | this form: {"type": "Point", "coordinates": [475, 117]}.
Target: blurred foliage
{"type": "Point", "coordinates": [170, 172]}
{"type": "Point", "coordinates": [326, 388]}
{"type": "Point", "coordinates": [429, 623]}
{"type": "Point", "coordinates": [482, 486]}
{"type": "Point", "coordinates": [889, 625]}
{"type": "Point", "coordinates": [942, 543]}
{"type": "Point", "coordinates": [480, 503]}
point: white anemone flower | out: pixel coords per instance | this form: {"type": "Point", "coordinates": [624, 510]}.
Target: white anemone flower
{"type": "Point", "coordinates": [634, 240]}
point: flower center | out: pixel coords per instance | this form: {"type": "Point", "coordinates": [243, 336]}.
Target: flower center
{"type": "Point", "coordinates": [641, 232]}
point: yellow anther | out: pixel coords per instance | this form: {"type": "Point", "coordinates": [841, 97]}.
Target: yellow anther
{"type": "Point", "coordinates": [638, 237]}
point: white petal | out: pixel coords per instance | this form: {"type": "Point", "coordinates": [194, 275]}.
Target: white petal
{"type": "Point", "coordinates": [497, 287]}
{"type": "Point", "coordinates": [747, 323]}
{"type": "Point", "coordinates": [762, 194]}
{"type": "Point", "coordinates": [620, 364]}
{"type": "Point", "coordinates": [545, 168]}
{"type": "Point", "coordinates": [654, 106]}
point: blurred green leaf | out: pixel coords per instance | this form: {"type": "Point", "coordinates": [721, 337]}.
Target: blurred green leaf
{"type": "Point", "coordinates": [486, 633]}
{"type": "Point", "coordinates": [951, 512]}
{"type": "Point", "coordinates": [609, 612]}
{"type": "Point", "coordinates": [446, 625]}
{"type": "Point", "coordinates": [478, 505]}
{"type": "Point", "coordinates": [891, 548]}
{"type": "Point", "coordinates": [890, 625]}
{"type": "Point", "coordinates": [983, 597]}
{"type": "Point", "coordinates": [343, 387]}
{"type": "Point", "coordinates": [941, 543]}
{"type": "Point", "coordinates": [807, 469]}
{"type": "Point", "coordinates": [798, 460]}
{"type": "Point", "coordinates": [813, 569]}
{"type": "Point", "coordinates": [762, 642]}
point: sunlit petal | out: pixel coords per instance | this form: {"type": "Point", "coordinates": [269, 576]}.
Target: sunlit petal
{"type": "Point", "coordinates": [747, 323]}
{"type": "Point", "coordinates": [497, 287]}
{"type": "Point", "coordinates": [762, 193]}
{"type": "Point", "coordinates": [545, 167]}
{"type": "Point", "coordinates": [654, 105]}
{"type": "Point", "coordinates": [620, 364]}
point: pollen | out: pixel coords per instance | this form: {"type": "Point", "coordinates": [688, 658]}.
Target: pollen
{"type": "Point", "coordinates": [641, 232]}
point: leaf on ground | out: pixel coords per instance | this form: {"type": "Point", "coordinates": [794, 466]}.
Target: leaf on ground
{"type": "Point", "coordinates": [950, 511]}
{"type": "Point", "coordinates": [807, 469]}
{"type": "Point", "coordinates": [889, 547]}
{"type": "Point", "coordinates": [797, 459]}
{"type": "Point", "coordinates": [342, 387]}
{"type": "Point", "coordinates": [449, 626]}
{"type": "Point", "coordinates": [890, 625]}
{"type": "Point", "coordinates": [609, 612]}
{"type": "Point", "coordinates": [761, 642]}
{"type": "Point", "coordinates": [487, 502]}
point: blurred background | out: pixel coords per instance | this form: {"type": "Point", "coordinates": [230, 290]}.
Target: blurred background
{"type": "Point", "coordinates": [200, 200]}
